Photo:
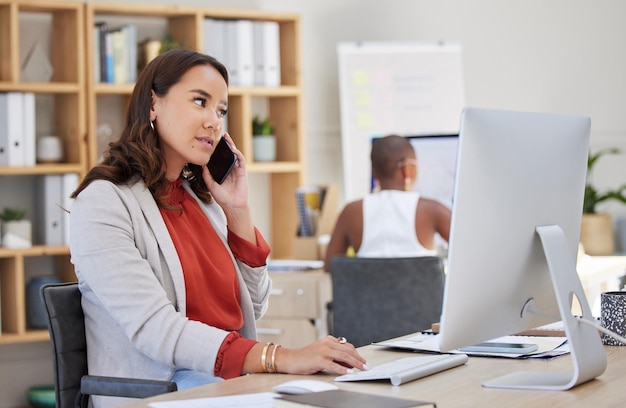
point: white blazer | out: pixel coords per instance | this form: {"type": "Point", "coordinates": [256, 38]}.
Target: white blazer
{"type": "Point", "coordinates": [133, 287]}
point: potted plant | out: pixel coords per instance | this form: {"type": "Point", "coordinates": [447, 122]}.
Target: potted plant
{"type": "Point", "coordinates": [263, 140]}
{"type": "Point", "coordinates": [168, 43]}
{"type": "Point", "coordinates": [596, 234]}
{"type": "Point", "coordinates": [16, 229]}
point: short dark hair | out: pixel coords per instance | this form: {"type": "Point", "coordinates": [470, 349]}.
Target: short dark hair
{"type": "Point", "coordinates": [387, 153]}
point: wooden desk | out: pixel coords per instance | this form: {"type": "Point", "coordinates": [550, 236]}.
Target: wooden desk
{"type": "Point", "coordinates": [458, 387]}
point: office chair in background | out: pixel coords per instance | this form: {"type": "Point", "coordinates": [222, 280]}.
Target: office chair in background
{"type": "Point", "coordinates": [375, 299]}
{"type": "Point", "coordinates": [72, 385]}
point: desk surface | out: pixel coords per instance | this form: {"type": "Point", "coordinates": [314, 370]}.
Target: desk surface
{"type": "Point", "coordinates": [458, 387]}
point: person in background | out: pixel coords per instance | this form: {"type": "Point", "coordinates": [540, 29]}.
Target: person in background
{"type": "Point", "coordinates": [171, 268]}
{"type": "Point", "coordinates": [394, 221]}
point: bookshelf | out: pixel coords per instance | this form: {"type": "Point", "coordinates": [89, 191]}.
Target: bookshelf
{"type": "Point", "coordinates": [60, 109]}
{"type": "Point", "coordinates": [87, 114]}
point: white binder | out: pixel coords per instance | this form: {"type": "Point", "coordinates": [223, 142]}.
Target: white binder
{"type": "Point", "coordinates": [70, 182]}
{"type": "Point", "coordinates": [49, 226]}
{"type": "Point", "coordinates": [29, 129]}
{"type": "Point", "coordinates": [239, 52]}
{"type": "Point", "coordinates": [266, 53]}
{"type": "Point", "coordinates": [130, 43]}
{"type": "Point", "coordinates": [214, 39]}
{"type": "Point", "coordinates": [11, 125]}
{"type": "Point", "coordinates": [118, 48]}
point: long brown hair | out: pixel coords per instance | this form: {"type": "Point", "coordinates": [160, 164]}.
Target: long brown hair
{"type": "Point", "coordinates": [137, 153]}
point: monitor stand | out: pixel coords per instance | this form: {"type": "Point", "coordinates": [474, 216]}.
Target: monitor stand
{"type": "Point", "coordinates": [588, 356]}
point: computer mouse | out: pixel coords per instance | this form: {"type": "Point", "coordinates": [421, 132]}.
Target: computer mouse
{"type": "Point", "coordinates": [304, 387]}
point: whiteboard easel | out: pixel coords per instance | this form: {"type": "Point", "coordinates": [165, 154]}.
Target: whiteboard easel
{"type": "Point", "coordinates": [405, 88]}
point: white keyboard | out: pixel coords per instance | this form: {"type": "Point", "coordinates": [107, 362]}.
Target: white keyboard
{"type": "Point", "coordinates": [407, 369]}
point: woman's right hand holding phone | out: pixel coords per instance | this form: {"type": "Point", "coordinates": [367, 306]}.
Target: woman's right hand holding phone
{"type": "Point", "coordinates": [232, 195]}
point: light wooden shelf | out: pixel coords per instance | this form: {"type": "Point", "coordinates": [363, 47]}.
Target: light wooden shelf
{"type": "Point", "coordinates": [41, 169]}
{"type": "Point", "coordinates": [26, 337]}
{"type": "Point", "coordinates": [36, 250]}
{"type": "Point", "coordinates": [274, 167]}
{"type": "Point", "coordinates": [41, 87]}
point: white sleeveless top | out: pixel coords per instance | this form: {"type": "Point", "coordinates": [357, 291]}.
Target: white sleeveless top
{"type": "Point", "coordinates": [389, 226]}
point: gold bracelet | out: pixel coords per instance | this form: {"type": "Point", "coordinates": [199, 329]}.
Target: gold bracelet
{"type": "Point", "coordinates": [273, 363]}
{"type": "Point", "coordinates": [268, 363]}
{"type": "Point", "coordinates": [264, 356]}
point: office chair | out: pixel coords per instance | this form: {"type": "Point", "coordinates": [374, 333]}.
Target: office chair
{"type": "Point", "coordinates": [376, 299]}
{"type": "Point", "coordinates": [72, 385]}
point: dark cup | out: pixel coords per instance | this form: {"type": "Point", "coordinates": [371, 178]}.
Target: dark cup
{"type": "Point", "coordinates": [613, 316]}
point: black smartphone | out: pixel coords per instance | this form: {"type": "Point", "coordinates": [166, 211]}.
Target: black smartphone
{"type": "Point", "coordinates": [222, 161]}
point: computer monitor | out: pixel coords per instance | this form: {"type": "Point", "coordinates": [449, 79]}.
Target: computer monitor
{"type": "Point", "coordinates": [516, 217]}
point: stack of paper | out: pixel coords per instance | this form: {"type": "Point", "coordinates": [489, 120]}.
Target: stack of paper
{"type": "Point", "coordinates": [547, 347]}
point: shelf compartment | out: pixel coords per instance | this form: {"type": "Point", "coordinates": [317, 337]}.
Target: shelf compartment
{"type": "Point", "coordinates": [13, 265]}
{"type": "Point", "coordinates": [64, 43]}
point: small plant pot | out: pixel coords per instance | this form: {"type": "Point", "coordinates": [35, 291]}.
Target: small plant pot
{"type": "Point", "coordinates": [264, 148]}
{"type": "Point", "coordinates": [17, 234]}
{"type": "Point", "coordinates": [596, 234]}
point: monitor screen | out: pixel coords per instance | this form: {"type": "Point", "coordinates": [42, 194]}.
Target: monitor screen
{"type": "Point", "coordinates": [515, 171]}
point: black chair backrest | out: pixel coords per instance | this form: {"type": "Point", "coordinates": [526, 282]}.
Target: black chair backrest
{"type": "Point", "coordinates": [376, 299]}
{"type": "Point", "coordinates": [66, 325]}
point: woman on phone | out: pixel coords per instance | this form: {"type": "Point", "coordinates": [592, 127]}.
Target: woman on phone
{"type": "Point", "coordinates": [170, 265]}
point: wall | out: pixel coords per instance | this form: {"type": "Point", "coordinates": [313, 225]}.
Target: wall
{"type": "Point", "coordinates": [560, 56]}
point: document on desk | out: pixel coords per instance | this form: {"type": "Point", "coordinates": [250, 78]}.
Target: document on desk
{"type": "Point", "coordinates": [257, 400]}
{"type": "Point", "coordinates": [547, 347]}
